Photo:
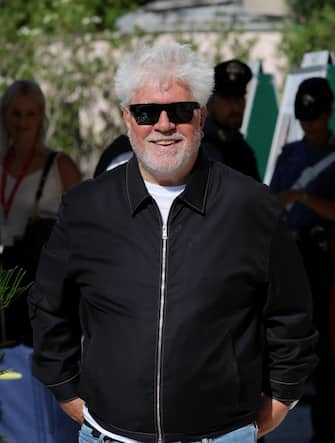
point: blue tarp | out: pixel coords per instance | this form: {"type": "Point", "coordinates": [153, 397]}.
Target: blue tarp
{"type": "Point", "coordinates": [28, 411]}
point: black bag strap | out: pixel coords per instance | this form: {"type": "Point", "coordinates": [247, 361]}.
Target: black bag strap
{"type": "Point", "coordinates": [44, 175]}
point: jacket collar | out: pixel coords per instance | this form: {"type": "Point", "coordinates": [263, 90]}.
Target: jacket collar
{"type": "Point", "coordinates": [194, 195]}
{"type": "Point", "coordinates": [136, 190]}
{"type": "Point", "coordinates": [221, 133]}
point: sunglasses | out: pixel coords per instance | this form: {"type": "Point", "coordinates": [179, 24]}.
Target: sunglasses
{"type": "Point", "coordinates": [149, 113]}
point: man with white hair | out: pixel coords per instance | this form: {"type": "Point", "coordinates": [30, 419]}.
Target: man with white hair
{"type": "Point", "coordinates": [170, 303]}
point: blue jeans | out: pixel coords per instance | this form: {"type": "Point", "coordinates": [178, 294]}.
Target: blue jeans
{"type": "Point", "coordinates": [247, 434]}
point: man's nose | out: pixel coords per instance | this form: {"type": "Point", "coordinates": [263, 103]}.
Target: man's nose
{"type": "Point", "coordinates": [164, 123]}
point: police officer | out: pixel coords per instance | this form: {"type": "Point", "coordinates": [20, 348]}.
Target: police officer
{"type": "Point", "coordinates": [116, 153]}
{"type": "Point", "coordinates": [304, 180]}
{"type": "Point", "coordinates": [223, 140]}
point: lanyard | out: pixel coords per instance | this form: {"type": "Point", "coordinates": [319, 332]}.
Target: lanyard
{"type": "Point", "coordinates": [7, 204]}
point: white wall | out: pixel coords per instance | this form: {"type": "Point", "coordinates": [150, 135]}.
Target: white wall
{"type": "Point", "coordinates": [268, 7]}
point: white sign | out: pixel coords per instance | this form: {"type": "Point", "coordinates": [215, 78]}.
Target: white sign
{"type": "Point", "coordinates": [316, 58]}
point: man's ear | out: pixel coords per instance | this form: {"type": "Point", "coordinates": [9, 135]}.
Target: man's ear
{"type": "Point", "coordinates": [203, 116]}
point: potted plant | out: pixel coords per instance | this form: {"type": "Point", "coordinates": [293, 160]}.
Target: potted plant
{"type": "Point", "coordinates": [10, 288]}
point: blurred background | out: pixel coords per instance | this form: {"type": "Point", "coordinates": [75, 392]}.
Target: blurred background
{"type": "Point", "coordinates": [71, 48]}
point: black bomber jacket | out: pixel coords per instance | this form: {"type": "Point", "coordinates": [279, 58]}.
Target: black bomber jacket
{"type": "Point", "coordinates": [178, 330]}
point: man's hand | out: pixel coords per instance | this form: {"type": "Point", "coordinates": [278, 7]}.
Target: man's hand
{"type": "Point", "coordinates": [269, 415]}
{"type": "Point", "coordinates": [74, 409]}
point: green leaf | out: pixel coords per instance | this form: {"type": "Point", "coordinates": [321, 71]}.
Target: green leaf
{"type": "Point", "coordinates": [10, 285]}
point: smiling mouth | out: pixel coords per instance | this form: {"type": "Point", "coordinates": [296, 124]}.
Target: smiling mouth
{"type": "Point", "coordinates": [165, 142]}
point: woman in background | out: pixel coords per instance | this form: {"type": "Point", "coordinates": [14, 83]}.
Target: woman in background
{"type": "Point", "coordinates": [32, 181]}
{"type": "Point", "coordinates": [23, 124]}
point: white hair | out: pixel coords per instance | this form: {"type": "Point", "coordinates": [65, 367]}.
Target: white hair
{"type": "Point", "coordinates": [163, 62]}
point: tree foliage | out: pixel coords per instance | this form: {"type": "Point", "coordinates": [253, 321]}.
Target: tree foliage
{"type": "Point", "coordinates": [313, 33]}
{"type": "Point", "coordinates": [304, 8]}
{"type": "Point", "coordinates": [71, 48]}
{"type": "Point", "coordinates": [62, 16]}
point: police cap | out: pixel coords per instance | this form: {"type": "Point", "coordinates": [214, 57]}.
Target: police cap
{"type": "Point", "coordinates": [231, 78]}
{"type": "Point", "coordinates": [314, 96]}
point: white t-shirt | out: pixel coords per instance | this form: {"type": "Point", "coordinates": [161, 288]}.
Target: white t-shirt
{"type": "Point", "coordinates": [164, 197]}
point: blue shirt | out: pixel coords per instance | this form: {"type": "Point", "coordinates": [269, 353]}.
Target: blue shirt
{"type": "Point", "coordinates": [295, 157]}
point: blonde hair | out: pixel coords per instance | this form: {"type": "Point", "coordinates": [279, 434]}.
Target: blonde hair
{"type": "Point", "coordinates": [27, 88]}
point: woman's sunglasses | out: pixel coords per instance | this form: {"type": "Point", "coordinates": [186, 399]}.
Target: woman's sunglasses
{"type": "Point", "coordinates": [149, 113]}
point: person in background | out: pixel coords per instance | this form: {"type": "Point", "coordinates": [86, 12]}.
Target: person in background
{"type": "Point", "coordinates": [23, 125]}
{"type": "Point", "coordinates": [116, 153]}
{"type": "Point", "coordinates": [223, 140]}
{"type": "Point", "coordinates": [148, 326]}
{"type": "Point", "coordinates": [304, 181]}
{"type": "Point", "coordinates": [33, 179]}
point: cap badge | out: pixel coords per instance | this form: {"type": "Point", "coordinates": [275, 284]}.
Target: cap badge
{"type": "Point", "coordinates": [234, 70]}
{"type": "Point", "coordinates": [307, 100]}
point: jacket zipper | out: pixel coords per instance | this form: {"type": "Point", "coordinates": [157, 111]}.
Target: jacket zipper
{"type": "Point", "coordinates": [160, 332]}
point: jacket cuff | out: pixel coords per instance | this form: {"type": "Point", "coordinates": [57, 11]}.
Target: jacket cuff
{"type": "Point", "coordinates": [66, 390]}
{"type": "Point", "coordinates": [284, 391]}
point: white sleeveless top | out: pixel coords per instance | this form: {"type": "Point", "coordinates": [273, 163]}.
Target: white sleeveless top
{"type": "Point", "coordinates": [24, 201]}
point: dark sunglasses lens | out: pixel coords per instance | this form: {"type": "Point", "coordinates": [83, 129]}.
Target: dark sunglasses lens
{"type": "Point", "coordinates": [182, 112]}
{"type": "Point", "coordinates": [145, 114]}
{"type": "Point", "coordinates": [148, 114]}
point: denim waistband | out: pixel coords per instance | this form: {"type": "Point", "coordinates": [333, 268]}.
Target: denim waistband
{"type": "Point", "coordinates": [96, 433]}
{"type": "Point", "coordinates": [106, 439]}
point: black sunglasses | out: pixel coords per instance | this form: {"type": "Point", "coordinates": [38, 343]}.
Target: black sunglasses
{"type": "Point", "coordinates": [149, 113]}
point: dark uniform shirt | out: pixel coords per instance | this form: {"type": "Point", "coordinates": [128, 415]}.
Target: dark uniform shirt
{"type": "Point", "coordinates": [119, 146]}
{"type": "Point", "coordinates": [313, 234]}
{"type": "Point", "coordinates": [295, 157]}
{"type": "Point", "coordinates": [229, 147]}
